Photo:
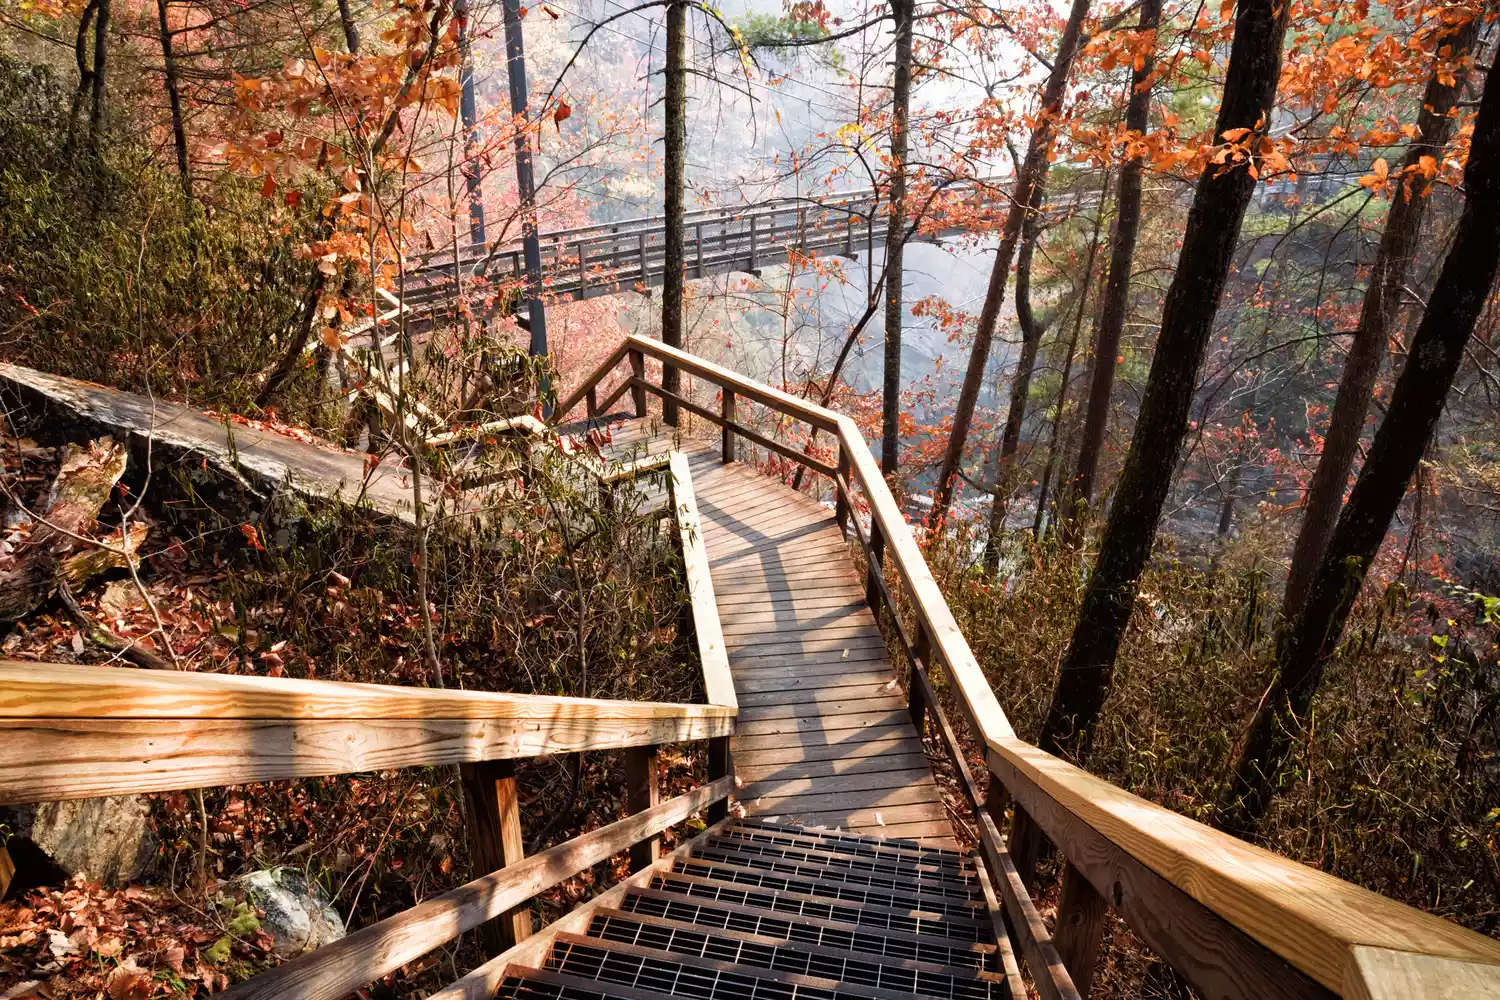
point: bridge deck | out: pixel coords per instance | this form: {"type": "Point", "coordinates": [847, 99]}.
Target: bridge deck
{"type": "Point", "coordinates": [823, 736]}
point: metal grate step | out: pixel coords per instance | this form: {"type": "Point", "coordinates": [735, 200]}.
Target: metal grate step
{"type": "Point", "coordinates": [855, 845]}
{"type": "Point", "coordinates": [883, 943]}
{"type": "Point", "coordinates": [971, 895]}
{"type": "Point", "coordinates": [861, 914]}
{"type": "Point", "coordinates": [827, 889]}
{"type": "Point", "coordinates": [899, 868]}
{"type": "Point", "coordinates": [674, 977]}
{"type": "Point", "coordinates": [779, 956]}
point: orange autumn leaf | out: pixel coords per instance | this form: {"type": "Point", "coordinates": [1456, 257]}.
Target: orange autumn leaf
{"type": "Point", "coordinates": [563, 112]}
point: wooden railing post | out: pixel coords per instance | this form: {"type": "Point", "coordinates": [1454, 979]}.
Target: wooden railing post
{"type": "Point", "coordinates": [875, 561]}
{"type": "Point", "coordinates": [638, 390]}
{"type": "Point", "coordinates": [591, 401]}
{"type": "Point", "coordinates": [727, 412]}
{"type": "Point", "coordinates": [1025, 845]}
{"type": "Point", "coordinates": [841, 498]}
{"type": "Point", "coordinates": [640, 794]}
{"type": "Point", "coordinates": [720, 764]}
{"type": "Point", "coordinates": [916, 704]}
{"type": "Point", "coordinates": [1080, 927]}
{"type": "Point", "coordinates": [494, 814]}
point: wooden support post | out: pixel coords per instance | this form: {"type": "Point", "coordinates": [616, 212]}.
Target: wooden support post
{"type": "Point", "coordinates": [494, 813]}
{"type": "Point", "coordinates": [591, 401]}
{"type": "Point", "coordinates": [727, 412]}
{"type": "Point", "coordinates": [916, 703]}
{"type": "Point", "coordinates": [1025, 845]}
{"type": "Point", "coordinates": [638, 391]}
{"type": "Point", "coordinates": [645, 275]}
{"type": "Point", "coordinates": [841, 501]}
{"type": "Point", "coordinates": [698, 242]}
{"type": "Point", "coordinates": [583, 271]}
{"type": "Point", "coordinates": [1080, 926]}
{"type": "Point", "coordinates": [752, 267]}
{"type": "Point", "coordinates": [720, 764]}
{"type": "Point", "coordinates": [873, 568]}
{"type": "Point", "coordinates": [640, 794]}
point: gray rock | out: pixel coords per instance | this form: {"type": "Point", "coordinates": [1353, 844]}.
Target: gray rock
{"type": "Point", "coordinates": [107, 840]}
{"type": "Point", "coordinates": [299, 917]}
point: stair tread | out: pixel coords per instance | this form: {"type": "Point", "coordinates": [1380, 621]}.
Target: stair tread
{"type": "Point", "coordinates": [680, 974]}
{"type": "Point", "coordinates": [805, 854]}
{"type": "Point", "coordinates": [867, 937]}
{"type": "Point", "coordinates": [864, 914]}
{"type": "Point", "coordinates": [933, 888]}
{"type": "Point", "coordinates": [782, 952]}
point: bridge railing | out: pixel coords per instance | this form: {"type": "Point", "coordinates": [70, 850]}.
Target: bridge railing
{"type": "Point", "coordinates": [1232, 919]}
{"type": "Point", "coordinates": [69, 731]}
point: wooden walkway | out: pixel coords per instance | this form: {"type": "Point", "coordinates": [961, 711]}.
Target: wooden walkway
{"type": "Point", "coordinates": [824, 737]}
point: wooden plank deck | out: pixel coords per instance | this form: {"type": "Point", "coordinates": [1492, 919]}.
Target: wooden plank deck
{"type": "Point", "coordinates": [823, 736]}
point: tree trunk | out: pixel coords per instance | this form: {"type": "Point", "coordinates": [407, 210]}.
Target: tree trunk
{"type": "Point", "coordinates": [174, 98]}
{"type": "Point", "coordinates": [97, 78]}
{"type": "Point", "coordinates": [903, 12]}
{"type": "Point", "coordinates": [676, 178]}
{"type": "Point", "coordinates": [1024, 201]}
{"type": "Point", "coordinates": [351, 33]}
{"type": "Point", "coordinates": [1416, 404]}
{"type": "Point", "coordinates": [1032, 329]}
{"type": "Point", "coordinates": [85, 67]}
{"type": "Point", "coordinates": [1037, 524]}
{"type": "Point", "coordinates": [1116, 292]}
{"type": "Point", "coordinates": [1192, 301]}
{"type": "Point", "coordinates": [1393, 259]}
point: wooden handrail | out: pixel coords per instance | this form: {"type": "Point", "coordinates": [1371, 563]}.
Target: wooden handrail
{"type": "Point", "coordinates": [707, 631]}
{"type": "Point", "coordinates": [69, 731]}
{"type": "Point", "coordinates": [1236, 920]}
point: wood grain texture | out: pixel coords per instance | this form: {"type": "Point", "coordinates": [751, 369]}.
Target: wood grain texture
{"type": "Point", "coordinates": [61, 690]}
{"type": "Point", "coordinates": [1214, 956]}
{"type": "Point", "coordinates": [1385, 974]}
{"type": "Point", "coordinates": [707, 631]}
{"type": "Point", "coordinates": [43, 759]}
{"type": "Point", "coordinates": [1308, 917]}
{"type": "Point", "coordinates": [338, 969]}
{"type": "Point", "coordinates": [492, 810]}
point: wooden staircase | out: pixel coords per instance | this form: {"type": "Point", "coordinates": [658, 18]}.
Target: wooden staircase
{"type": "Point", "coordinates": [828, 653]}
{"type": "Point", "coordinates": [761, 910]}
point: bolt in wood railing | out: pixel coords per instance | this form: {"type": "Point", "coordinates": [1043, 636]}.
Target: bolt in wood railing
{"type": "Point", "coordinates": [1233, 920]}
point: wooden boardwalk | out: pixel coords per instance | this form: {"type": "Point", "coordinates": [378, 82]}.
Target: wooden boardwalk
{"type": "Point", "coordinates": [824, 737]}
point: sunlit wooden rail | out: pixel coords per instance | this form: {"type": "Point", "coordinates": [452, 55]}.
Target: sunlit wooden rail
{"type": "Point", "coordinates": [1233, 919]}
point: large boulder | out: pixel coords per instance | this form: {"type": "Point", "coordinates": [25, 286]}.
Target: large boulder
{"type": "Point", "coordinates": [106, 840]}
{"type": "Point", "coordinates": [299, 917]}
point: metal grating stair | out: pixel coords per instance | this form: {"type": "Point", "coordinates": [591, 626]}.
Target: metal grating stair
{"type": "Point", "coordinates": [760, 911]}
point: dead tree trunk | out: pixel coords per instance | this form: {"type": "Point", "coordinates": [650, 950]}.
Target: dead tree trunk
{"type": "Point", "coordinates": [1351, 404]}
{"type": "Point", "coordinates": [1416, 404]}
{"type": "Point", "coordinates": [351, 32]}
{"type": "Point", "coordinates": [903, 12]}
{"type": "Point", "coordinates": [1038, 523]}
{"type": "Point", "coordinates": [1208, 245]}
{"type": "Point", "coordinates": [57, 550]}
{"type": "Point", "coordinates": [85, 68]}
{"type": "Point", "coordinates": [1116, 293]}
{"type": "Point", "coordinates": [1024, 201]}
{"type": "Point", "coordinates": [676, 178]}
{"type": "Point", "coordinates": [98, 77]}
{"type": "Point", "coordinates": [174, 99]}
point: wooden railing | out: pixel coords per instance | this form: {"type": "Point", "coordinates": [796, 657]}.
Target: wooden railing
{"type": "Point", "coordinates": [1232, 919]}
{"type": "Point", "coordinates": [69, 731]}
